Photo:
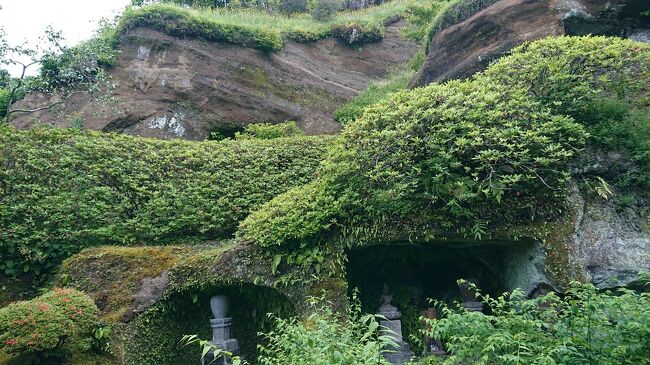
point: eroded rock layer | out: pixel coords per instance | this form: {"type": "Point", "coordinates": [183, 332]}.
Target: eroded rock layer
{"type": "Point", "coordinates": [180, 88]}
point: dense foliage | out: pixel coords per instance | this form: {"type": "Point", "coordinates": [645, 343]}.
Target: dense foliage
{"type": "Point", "coordinates": [319, 339]}
{"type": "Point", "coordinates": [463, 157]}
{"type": "Point", "coordinates": [602, 82]}
{"type": "Point", "coordinates": [583, 327]}
{"type": "Point", "coordinates": [63, 190]}
{"type": "Point", "coordinates": [258, 29]}
{"type": "Point", "coordinates": [457, 157]}
{"type": "Point", "coordinates": [57, 320]}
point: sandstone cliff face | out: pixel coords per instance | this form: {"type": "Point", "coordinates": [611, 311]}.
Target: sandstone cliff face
{"type": "Point", "coordinates": [180, 88]}
{"type": "Point", "coordinates": [469, 46]}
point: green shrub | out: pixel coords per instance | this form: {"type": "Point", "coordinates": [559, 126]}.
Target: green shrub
{"type": "Point", "coordinates": [375, 93]}
{"type": "Point", "coordinates": [270, 131]}
{"type": "Point", "coordinates": [57, 321]}
{"type": "Point", "coordinates": [568, 74]}
{"type": "Point", "coordinates": [322, 340]}
{"type": "Point", "coordinates": [583, 327]}
{"type": "Point", "coordinates": [63, 190]}
{"type": "Point", "coordinates": [458, 158]}
{"type": "Point", "coordinates": [602, 82]}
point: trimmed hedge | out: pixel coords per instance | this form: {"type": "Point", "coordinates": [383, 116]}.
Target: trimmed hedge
{"type": "Point", "coordinates": [270, 131]}
{"type": "Point", "coordinates": [465, 157]}
{"type": "Point", "coordinates": [63, 190]}
{"type": "Point", "coordinates": [58, 318]}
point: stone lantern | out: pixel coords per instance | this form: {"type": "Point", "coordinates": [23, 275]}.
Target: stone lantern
{"type": "Point", "coordinates": [220, 305]}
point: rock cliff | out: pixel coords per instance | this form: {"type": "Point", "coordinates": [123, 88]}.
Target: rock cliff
{"type": "Point", "coordinates": [469, 46]}
{"type": "Point", "coordinates": [168, 87]}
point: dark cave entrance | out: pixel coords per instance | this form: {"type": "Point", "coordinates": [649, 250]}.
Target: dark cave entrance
{"type": "Point", "coordinates": [416, 273]}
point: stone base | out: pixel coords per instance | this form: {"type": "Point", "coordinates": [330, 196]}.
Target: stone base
{"type": "Point", "coordinates": [399, 356]}
{"type": "Point", "coordinates": [473, 306]}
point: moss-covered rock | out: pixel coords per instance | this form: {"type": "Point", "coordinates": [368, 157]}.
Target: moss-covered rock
{"type": "Point", "coordinates": [152, 296]}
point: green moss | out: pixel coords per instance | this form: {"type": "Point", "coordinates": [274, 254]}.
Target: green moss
{"type": "Point", "coordinates": [112, 275]}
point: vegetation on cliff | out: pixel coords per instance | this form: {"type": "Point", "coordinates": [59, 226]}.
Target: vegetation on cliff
{"type": "Point", "coordinates": [258, 29]}
{"type": "Point", "coordinates": [464, 157]}
{"type": "Point", "coordinates": [583, 327]}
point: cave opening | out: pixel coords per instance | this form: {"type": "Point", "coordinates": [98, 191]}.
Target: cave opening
{"type": "Point", "coordinates": [416, 274]}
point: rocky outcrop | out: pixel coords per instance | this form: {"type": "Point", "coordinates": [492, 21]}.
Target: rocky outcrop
{"type": "Point", "coordinates": [469, 46]}
{"type": "Point", "coordinates": [611, 245]}
{"type": "Point", "coordinates": [168, 87]}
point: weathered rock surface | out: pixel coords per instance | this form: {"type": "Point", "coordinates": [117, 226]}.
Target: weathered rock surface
{"type": "Point", "coordinates": [610, 247]}
{"type": "Point", "coordinates": [469, 46]}
{"type": "Point", "coordinates": [181, 88]}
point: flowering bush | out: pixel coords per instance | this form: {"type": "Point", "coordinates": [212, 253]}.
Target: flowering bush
{"type": "Point", "coordinates": [57, 319]}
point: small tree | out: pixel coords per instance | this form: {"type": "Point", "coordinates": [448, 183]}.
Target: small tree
{"type": "Point", "coordinates": [290, 7]}
{"type": "Point", "coordinates": [64, 70]}
{"type": "Point", "coordinates": [325, 9]}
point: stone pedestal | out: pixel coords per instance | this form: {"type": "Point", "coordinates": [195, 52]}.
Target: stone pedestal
{"type": "Point", "coordinates": [221, 331]}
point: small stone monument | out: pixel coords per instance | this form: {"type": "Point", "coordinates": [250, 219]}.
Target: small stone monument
{"type": "Point", "coordinates": [221, 330]}
{"type": "Point", "coordinates": [432, 346]}
{"type": "Point", "coordinates": [468, 293]}
{"type": "Point", "coordinates": [392, 326]}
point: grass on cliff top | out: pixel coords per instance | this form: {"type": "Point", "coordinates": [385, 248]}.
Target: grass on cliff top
{"type": "Point", "coordinates": [255, 28]}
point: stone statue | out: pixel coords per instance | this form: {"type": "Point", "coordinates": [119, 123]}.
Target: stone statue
{"type": "Point", "coordinates": [392, 326]}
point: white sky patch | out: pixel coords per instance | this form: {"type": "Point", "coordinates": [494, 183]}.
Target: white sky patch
{"type": "Point", "coordinates": [77, 19]}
